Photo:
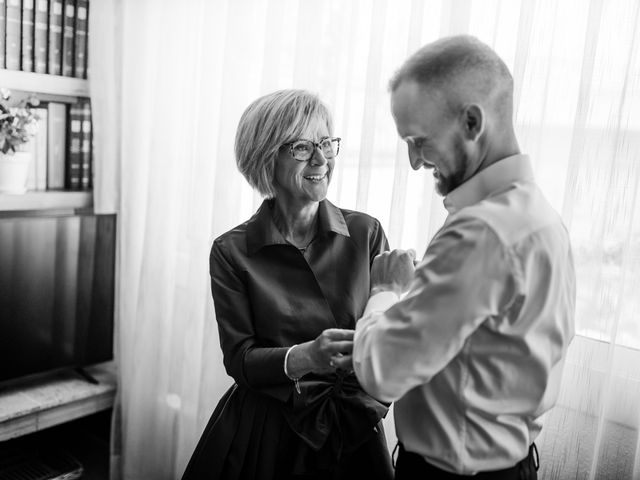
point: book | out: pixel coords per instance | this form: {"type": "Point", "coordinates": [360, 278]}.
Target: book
{"type": "Point", "coordinates": [37, 178]}
{"type": "Point", "coordinates": [31, 174]}
{"type": "Point", "coordinates": [86, 180]}
{"type": "Point", "coordinates": [27, 35]}
{"type": "Point", "coordinates": [40, 35]}
{"type": "Point", "coordinates": [68, 26]}
{"type": "Point", "coordinates": [3, 33]}
{"type": "Point", "coordinates": [73, 168]}
{"type": "Point", "coordinates": [40, 149]}
{"type": "Point", "coordinates": [80, 45]}
{"type": "Point", "coordinates": [86, 50]}
{"type": "Point", "coordinates": [56, 143]}
{"type": "Point", "coordinates": [54, 64]}
{"type": "Point", "coordinates": [13, 39]}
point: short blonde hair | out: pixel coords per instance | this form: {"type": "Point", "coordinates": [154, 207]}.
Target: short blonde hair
{"type": "Point", "coordinates": [269, 122]}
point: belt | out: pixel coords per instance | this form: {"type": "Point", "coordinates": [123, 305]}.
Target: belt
{"type": "Point", "coordinates": [409, 465]}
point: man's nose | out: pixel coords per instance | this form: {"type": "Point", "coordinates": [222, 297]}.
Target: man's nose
{"type": "Point", "coordinates": [415, 158]}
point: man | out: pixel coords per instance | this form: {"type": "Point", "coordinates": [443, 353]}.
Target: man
{"type": "Point", "coordinates": [473, 353]}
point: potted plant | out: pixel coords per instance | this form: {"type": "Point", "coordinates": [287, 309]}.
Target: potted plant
{"type": "Point", "coordinates": [18, 124]}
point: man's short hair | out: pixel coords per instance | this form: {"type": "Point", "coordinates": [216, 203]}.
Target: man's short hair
{"type": "Point", "coordinates": [459, 64]}
{"type": "Point", "coordinates": [269, 122]}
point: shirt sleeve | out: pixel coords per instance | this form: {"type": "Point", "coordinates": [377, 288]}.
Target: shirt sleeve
{"type": "Point", "coordinates": [252, 366]}
{"type": "Point", "coordinates": [466, 277]}
{"type": "Point", "coordinates": [378, 242]}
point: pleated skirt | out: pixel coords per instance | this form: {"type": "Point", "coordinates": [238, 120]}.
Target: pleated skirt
{"type": "Point", "coordinates": [247, 437]}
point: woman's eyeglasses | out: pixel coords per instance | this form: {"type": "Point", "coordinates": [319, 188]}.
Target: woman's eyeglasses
{"type": "Point", "coordinates": [302, 150]}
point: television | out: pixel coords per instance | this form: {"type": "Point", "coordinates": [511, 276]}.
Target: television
{"type": "Point", "coordinates": [57, 276]}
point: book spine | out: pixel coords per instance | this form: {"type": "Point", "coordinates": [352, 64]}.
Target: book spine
{"type": "Point", "coordinates": [55, 37]}
{"type": "Point", "coordinates": [40, 150]}
{"type": "Point", "coordinates": [40, 34]}
{"type": "Point", "coordinates": [56, 152]}
{"type": "Point", "coordinates": [86, 50]}
{"type": "Point", "coordinates": [27, 35]}
{"type": "Point", "coordinates": [86, 181]}
{"type": "Point", "coordinates": [13, 38]}
{"type": "Point", "coordinates": [37, 176]}
{"type": "Point", "coordinates": [3, 31]}
{"type": "Point", "coordinates": [68, 26]}
{"type": "Point", "coordinates": [31, 174]}
{"type": "Point", "coordinates": [73, 172]}
{"type": "Point", "coordinates": [80, 46]}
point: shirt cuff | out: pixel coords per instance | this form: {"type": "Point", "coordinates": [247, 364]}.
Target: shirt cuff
{"type": "Point", "coordinates": [380, 302]}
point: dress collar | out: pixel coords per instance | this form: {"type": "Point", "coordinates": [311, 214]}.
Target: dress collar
{"type": "Point", "coordinates": [493, 179]}
{"type": "Point", "coordinates": [262, 231]}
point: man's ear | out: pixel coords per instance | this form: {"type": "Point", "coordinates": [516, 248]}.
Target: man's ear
{"type": "Point", "coordinates": [474, 121]}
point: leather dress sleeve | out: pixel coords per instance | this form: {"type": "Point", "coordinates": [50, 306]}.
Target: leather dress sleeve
{"type": "Point", "coordinates": [251, 366]}
{"type": "Point", "coordinates": [378, 242]}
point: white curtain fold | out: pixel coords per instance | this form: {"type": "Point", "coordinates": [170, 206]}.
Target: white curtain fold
{"type": "Point", "coordinates": [169, 81]}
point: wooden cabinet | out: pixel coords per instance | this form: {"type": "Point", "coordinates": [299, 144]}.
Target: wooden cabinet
{"type": "Point", "coordinates": [60, 410]}
{"type": "Point", "coordinates": [59, 414]}
{"type": "Point", "coordinates": [36, 404]}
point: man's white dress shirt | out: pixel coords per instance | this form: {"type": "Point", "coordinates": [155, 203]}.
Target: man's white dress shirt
{"type": "Point", "coordinates": [473, 354]}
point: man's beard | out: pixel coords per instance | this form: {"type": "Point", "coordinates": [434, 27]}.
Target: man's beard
{"type": "Point", "coordinates": [444, 185]}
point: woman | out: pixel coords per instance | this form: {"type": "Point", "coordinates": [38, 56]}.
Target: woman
{"type": "Point", "coordinates": [288, 285]}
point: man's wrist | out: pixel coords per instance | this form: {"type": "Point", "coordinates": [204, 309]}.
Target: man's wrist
{"type": "Point", "coordinates": [380, 300]}
{"type": "Point", "coordinates": [384, 287]}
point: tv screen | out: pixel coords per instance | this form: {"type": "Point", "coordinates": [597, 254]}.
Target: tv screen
{"type": "Point", "coordinates": [56, 292]}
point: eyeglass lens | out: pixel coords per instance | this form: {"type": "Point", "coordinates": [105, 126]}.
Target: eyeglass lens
{"type": "Point", "coordinates": [303, 149]}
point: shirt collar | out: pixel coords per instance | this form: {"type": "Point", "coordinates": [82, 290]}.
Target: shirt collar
{"type": "Point", "coordinates": [493, 179]}
{"type": "Point", "coordinates": [262, 231]}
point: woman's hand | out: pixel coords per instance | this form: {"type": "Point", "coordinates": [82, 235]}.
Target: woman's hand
{"type": "Point", "coordinates": [329, 351]}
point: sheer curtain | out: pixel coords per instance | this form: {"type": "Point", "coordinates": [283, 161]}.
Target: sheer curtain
{"type": "Point", "coordinates": [169, 81]}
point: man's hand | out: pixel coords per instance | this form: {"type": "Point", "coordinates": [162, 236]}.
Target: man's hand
{"type": "Point", "coordinates": [392, 271]}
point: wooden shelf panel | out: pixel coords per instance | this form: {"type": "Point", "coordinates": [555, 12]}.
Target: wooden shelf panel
{"type": "Point", "coordinates": [41, 83]}
{"type": "Point", "coordinates": [44, 200]}
{"type": "Point", "coordinates": [35, 405]}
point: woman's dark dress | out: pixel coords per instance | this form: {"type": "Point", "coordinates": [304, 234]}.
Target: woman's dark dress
{"type": "Point", "coordinates": [269, 295]}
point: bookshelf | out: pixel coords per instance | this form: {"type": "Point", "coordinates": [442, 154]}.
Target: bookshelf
{"type": "Point", "coordinates": [45, 200]}
{"type": "Point", "coordinates": [65, 89]}
{"type": "Point", "coordinates": [57, 411]}
{"type": "Point", "coordinates": [61, 91]}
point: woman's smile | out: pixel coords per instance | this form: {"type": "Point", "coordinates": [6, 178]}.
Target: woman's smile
{"type": "Point", "coordinates": [315, 178]}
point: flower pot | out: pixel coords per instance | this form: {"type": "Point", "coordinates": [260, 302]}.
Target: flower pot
{"type": "Point", "coordinates": [14, 170]}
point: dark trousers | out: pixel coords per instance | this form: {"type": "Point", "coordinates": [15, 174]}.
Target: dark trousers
{"type": "Point", "coordinates": [411, 466]}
